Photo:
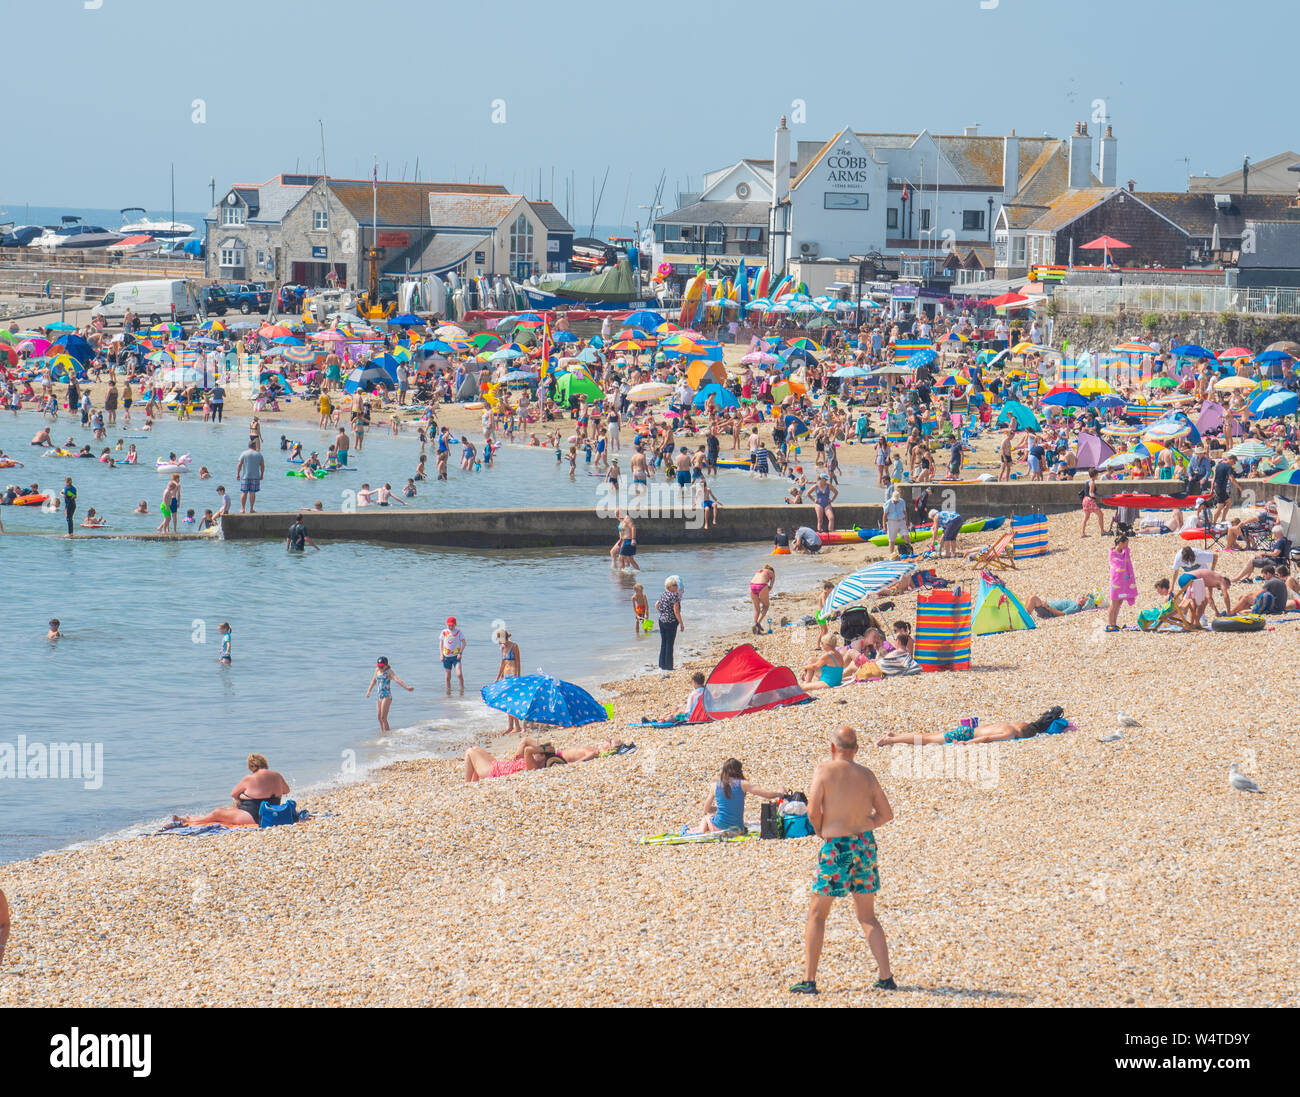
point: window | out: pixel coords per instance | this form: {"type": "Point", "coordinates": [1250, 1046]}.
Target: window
{"type": "Point", "coordinates": [480, 257]}
{"type": "Point", "coordinates": [521, 246]}
{"type": "Point", "coordinates": [891, 218]}
{"type": "Point", "coordinates": [232, 215]}
{"type": "Point", "coordinates": [972, 220]}
{"type": "Point", "coordinates": [320, 220]}
{"type": "Point", "coordinates": [261, 258]}
{"type": "Point", "coordinates": [923, 220]}
{"type": "Point", "coordinates": [1018, 251]}
{"type": "Point", "coordinates": [232, 257]}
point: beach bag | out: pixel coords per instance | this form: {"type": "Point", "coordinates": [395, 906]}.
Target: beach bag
{"type": "Point", "coordinates": [279, 815]}
{"type": "Point", "coordinates": [770, 822]}
{"type": "Point", "coordinates": [796, 824]}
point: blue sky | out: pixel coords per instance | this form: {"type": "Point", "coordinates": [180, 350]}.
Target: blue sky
{"type": "Point", "coordinates": [100, 102]}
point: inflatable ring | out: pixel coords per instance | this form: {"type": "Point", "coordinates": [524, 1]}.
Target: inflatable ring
{"type": "Point", "coordinates": [30, 500]}
{"type": "Point", "coordinates": [1242, 622]}
{"type": "Point", "coordinates": [780, 552]}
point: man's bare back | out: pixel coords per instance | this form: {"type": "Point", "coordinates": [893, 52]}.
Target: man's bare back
{"type": "Point", "coordinates": [846, 794]}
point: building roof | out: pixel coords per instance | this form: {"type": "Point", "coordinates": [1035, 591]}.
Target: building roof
{"type": "Point", "coordinates": [1277, 244]}
{"type": "Point", "coordinates": [1020, 215]}
{"type": "Point", "coordinates": [401, 203]}
{"type": "Point", "coordinates": [729, 213]}
{"type": "Point", "coordinates": [443, 252]}
{"type": "Point", "coordinates": [551, 218]}
{"type": "Point", "coordinates": [1268, 176]}
{"type": "Point", "coordinates": [1198, 215]}
{"type": "Point", "coordinates": [271, 200]}
{"type": "Point", "coordinates": [471, 211]}
{"type": "Point", "coordinates": [1069, 207]}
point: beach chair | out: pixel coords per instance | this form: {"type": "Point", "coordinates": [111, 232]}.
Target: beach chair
{"type": "Point", "coordinates": [1150, 620]}
{"type": "Point", "coordinates": [1000, 554]}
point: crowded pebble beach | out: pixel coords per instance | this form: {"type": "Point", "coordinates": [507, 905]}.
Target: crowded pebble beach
{"type": "Point", "coordinates": [1062, 871]}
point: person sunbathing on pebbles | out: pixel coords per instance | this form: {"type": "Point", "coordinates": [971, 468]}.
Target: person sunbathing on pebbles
{"type": "Point", "coordinates": [985, 733]}
{"type": "Point", "coordinates": [530, 755]}
{"type": "Point", "coordinates": [263, 785]}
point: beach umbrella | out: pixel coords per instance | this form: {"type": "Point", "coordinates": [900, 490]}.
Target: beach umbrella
{"type": "Point", "coordinates": [920, 358]}
{"type": "Point", "coordinates": [301, 355]}
{"type": "Point", "coordinates": [1023, 417]}
{"type": "Point", "coordinates": [866, 582]}
{"type": "Point", "coordinates": [8, 354]}
{"type": "Point", "coordinates": [60, 325]}
{"type": "Point", "coordinates": [1104, 244]}
{"type": "Point", "coordinates": [1250, 450]}
{"type": "Point", "coordinates": [564, 337]}
{"type": "Point", "coordinates": [8, 336]}
{"type": "Point", "coordinates": [785, 389]}
{"type": "Point", "coordinates": [1132, 346]}
{"type": "Point", "coordinates": [1162, 383]}
{"type": "Point", "coordinates": [1274, 356]}
{"type": "Point", "coordinates": [1286, 476]}
{"type": "Point", "coordinates": [759, 358]}
{"type": "Point", "coordinates": [160, 358]}
{"type": "Point", "coordinates": [401, 353]}
{"type": "Point", "coordinates": [1276, 404]}
{"type": "Point", "coordinates": [1067, 398]}
{"type": "Point", "coordinates": [643, 318]}
{"type": "Point", "coordinates": [286, 341]}
{"type": "Point", "coordinates": [890, 371]}
{"type": "Point", "coordinates": [212, 325]}
{"type": "Point", "coordinates": [76, 346]}
{"type": "Point", "coordinates": [1233, 353]}
{"type": "Point", "coordinates": [506, 354]}
{"type": "Point", "coordinates": [541, 699]}
{"type": "Point", "coordinates": [486, 340]}
{"type": "Point", "coordinates": [406, 320]}
{"type": "Point", "coordinates": [1239, 383]}
{"type": "Point", "coordinates": [273, 331]}
{"type": "Point", "coordinates": [1107, 401]}
{"type": "Point", "coordinates": [1119, 459]}
{"type": "Point", "coordinates": [450, 331]}
{"type": "Point", "coordinates": [665, 327]}
{"type": "Point", "coordinates": [808, 345]}
{"type": "Point", "coordinates": [1094, 386]}
{"type": "Point", "coordinates": [1192, 350]}
{"type": "Point", "coordinates": [1171, 429]}
{"type": "Point", "coordinates": [589, 356]}
{"type": "Point", "coordinates": [951, 337]}
{"type": "Point", "coordinates": [1007, 301]}
{"type": "Point", "coordinates": [1286, 346]}
{"type": "Point", "coordinates": [649, 391]}
{"type": "Point", "coordinates": [855, 371]}
{"type": "Point", "coordinates": [722, 398]}
{"type": "Point", "coordinates": [519, 375]}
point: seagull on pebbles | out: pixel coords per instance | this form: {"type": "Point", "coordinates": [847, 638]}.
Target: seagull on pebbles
{"type": "Point", "coordinates": [1240, 781]}
{"type": "Point", "coordinates": [1127, 721]}
{"type": "Point", "coordinates": [1113, 737]}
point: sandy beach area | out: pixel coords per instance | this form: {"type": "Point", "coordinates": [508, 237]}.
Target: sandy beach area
{"type": "Point", "coordinates": [1069, 872]}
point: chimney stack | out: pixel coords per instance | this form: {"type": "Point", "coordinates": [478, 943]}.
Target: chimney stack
{"type": "Point", "coordinates": [1132, 185]}
{"type": "Point", "coordinates": [781, 164]}
{"type": "Point", "coordinates": [1107, 172]}
{"type": "Point", "coordinates": [1010, 166]}
{"type": "Point", "coordinates": [1080, 157]}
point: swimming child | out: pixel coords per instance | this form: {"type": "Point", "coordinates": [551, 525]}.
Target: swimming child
{"type": "Point", "coordinates": [143, 508]}
{"type": "Point", "coordinates": [93, 521]}
{"type": "Point", "coordinates": [203, 472]}
{"type": "Point", "coordinates": [189, 517]}
{"type": "Point", "coordinates": [54, 633]}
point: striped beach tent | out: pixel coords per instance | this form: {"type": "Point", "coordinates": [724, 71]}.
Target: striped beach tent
{"type": "Point", "coordinates": [943, 630]}
{"type": "Point", "coordinates": [1031, 536]}
{"type": "Point", "coordinates": [867, 581]}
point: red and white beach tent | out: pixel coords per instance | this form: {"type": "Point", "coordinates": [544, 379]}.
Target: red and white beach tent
{"type": "Point", "coordinates": [745, 682]}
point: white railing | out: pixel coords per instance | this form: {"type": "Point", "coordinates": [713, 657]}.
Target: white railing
{"type": "Point", "coordinates": [1259, 300]}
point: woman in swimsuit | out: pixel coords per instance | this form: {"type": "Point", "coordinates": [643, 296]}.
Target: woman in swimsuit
{"type": "Point", "coordinates": [263, 785]}
{"type": "Point", "coordinates": [509, 669]}
{"type": "Point", "coordinates": [760, 595]}
{"type": "Point", "coordinates": [384, 679]}
{"type": "Point", "coordinates": [828, 666]}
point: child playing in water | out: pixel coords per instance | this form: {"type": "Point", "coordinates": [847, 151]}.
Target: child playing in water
{"type": "Point", "coordinates": [93, 521]}
{"type": "Point", "coordinates": [640, 605]}
{"type": "Point", "coordinates": [223, 630]}
{"type": "Point", "coordinates": [384, 678]}
{"type": "Point", "coordinates": [54, 633]}
{"type": "Point", "coordinates": [143, 508]}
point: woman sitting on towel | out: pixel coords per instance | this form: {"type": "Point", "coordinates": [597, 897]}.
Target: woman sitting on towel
{"type": "Point", "coordinates": [263, 785]}
{"type": "Point", "coordinates": [725, 803]}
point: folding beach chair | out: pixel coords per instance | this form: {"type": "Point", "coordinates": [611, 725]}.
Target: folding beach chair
{"type": "Point", "coordinates": [1151, 620]}
{"type": "Point", "coordinates": [1000, 554]}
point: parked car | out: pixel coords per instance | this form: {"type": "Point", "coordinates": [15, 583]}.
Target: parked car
{"type": "Point", "coordinates": [247, 298]}
{"type": "Point", "coordinates": [214, 301]}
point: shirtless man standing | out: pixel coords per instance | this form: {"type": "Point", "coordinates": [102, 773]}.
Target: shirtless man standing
{"type": "Point", "coordinates": [640, 471]}
{"type": "Point", "coordinates": [627, 544]}
{"type": "Point", "coordinates": [1004, 451]}
{"type": "Point", "coordinates": [845, 804]}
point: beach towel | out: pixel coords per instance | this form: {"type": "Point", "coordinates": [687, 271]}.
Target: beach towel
{"type": "Point", "coordinates": [699, 839]}
{"type": "Point", "coordinates": [1123, 583]}
{"type": "Point", "coordinates": [943, 630]}
{"type": "Point", "coordinates": [680, 718]}
{"type": "Point", "coordinates": [194, 832]}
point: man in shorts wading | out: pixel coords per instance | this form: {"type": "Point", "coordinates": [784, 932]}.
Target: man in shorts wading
{"type": "Point", "coordinates": [251, 467]}
{"type": "Point", "coordinates": [845, 804]}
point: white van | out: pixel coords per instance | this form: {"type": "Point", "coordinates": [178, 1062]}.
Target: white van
{"type": "Point", "coordinates": [152, 301]}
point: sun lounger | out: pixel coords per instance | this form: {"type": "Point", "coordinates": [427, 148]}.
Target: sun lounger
{"type": "Point", "coordinates": [1170, 615]}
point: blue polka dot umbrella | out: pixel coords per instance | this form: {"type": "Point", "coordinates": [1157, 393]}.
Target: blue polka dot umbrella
{"type": "Point", "coordinates": [541, 699]}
